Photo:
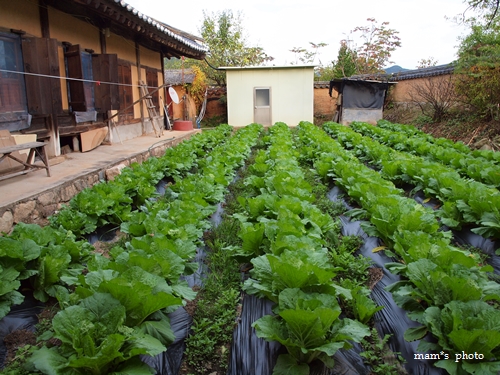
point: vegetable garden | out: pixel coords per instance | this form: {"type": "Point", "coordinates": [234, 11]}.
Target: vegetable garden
{"type": "Point", "coordinates": [312, 250]}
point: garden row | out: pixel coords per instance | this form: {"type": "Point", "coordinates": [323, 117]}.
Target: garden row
{"type": "Point", "coordinates": [413, 132]}
{"type": "Point", "coordinates": [467, 164]}
{"type": "Point", "coordinates": [112, 202]}
{"type": "Point", "coordinates": [289, 242]}
{"type": "Point", "coordinates": [464, 201]}
{"type": "Point", "coordinates": [119, 305]}
{"type": "Point", "coordinates": [444, 288]}
{"type": "Point", "coordinates": [51, 256]}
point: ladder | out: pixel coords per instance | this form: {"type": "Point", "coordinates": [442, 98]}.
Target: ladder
{"type": "Point", "coordinates": [154, 117]}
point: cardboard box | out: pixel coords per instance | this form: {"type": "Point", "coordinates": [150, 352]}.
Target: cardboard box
{"type": "Point", "coordinates": [24, 138]}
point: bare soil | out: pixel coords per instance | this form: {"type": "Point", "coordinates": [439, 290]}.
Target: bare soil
{"type": "Point", "coordinates": [22, 337]}
{"type": "Point", "coordinates": [473, 134]}
{"type": "Point", "coordinates": [15, 340]}
{"type": "Point", "coordinates": [375, 275]}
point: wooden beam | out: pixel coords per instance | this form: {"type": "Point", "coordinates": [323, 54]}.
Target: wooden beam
{"type": "Point", "coordinates": [44, 19]}
{"type": "Point", "coordinates": [102, 39]}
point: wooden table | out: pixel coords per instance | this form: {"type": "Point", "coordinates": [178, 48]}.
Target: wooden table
{"type": "Point", "coordinates": [28, 165]}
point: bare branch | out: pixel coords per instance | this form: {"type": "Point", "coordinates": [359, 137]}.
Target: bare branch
{"type": "Point", "coordinates": [435, 96]}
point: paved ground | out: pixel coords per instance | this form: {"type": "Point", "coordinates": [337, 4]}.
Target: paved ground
{"type": "Point", "coordinates": [76, 164]}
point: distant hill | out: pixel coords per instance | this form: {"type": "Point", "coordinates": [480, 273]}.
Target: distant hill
{"type": "Point", "coordinates": [395, 69]}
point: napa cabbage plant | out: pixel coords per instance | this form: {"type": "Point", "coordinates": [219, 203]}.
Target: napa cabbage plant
{"type": "Point", "coordinates": [462, 328]}
{"type": "Point", "coordinates": [308, 325]}
{"type": "Point", "coordinates": [95, 340]}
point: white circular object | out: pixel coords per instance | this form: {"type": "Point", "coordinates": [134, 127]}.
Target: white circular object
{"type": "Point", "coordinates": [173, 95]}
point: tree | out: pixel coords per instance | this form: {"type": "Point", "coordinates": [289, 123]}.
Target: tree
{"type": "Point", "coordinates": [306, 56]}
{"type": "Point", "coordinates": [485, 12]}
{"type": "Point", "coordinates": [224, 35]}
{"type": "Point", "coordinates": [346, 63]}
{"type": "Point", "coordinates": [426, 63]}
{"type": "Point", "coordinates": [198, 88]}
{"type": "Point", "coordinates": [379, 43]}
{"type": "Point", "coordinates": [478, 69]}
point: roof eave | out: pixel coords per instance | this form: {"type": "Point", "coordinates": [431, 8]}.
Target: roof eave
{"type": "Point", "coordinates": [124, 20]}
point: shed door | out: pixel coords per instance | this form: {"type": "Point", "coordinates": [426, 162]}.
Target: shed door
{"type": "Point", "coordinates": [262, 105]}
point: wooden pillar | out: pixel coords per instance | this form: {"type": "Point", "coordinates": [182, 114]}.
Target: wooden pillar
{"type": "Point", "coordinates": [163, 92]}
{"type": "Point", "coordinates": [139, 78]}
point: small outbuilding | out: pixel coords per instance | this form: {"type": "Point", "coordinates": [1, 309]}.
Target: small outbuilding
{"type": "Point", "coordinates": [270, 94]}
{"type": "Point", "coordinates": [180, 80]}
{"type": "Point", "coordinates": [359, 100]}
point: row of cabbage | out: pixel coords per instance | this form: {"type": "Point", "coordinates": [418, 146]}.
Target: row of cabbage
{"type": "Point", "coordinates": [118, 308]}
{"type": "Point", "coordinates": [51, 256]}
{"type": "Point", "coordinates": [444, 288]}
{"type": "Point", "coordinates": [113, 202]}
{"type": "Point", "coordinates": [467, 164]}
{"type": "Point", "coordinates": [286, 237]}
{"type": "Point", "coordinates": [413, 132]}
{"type": "Point", "coordinates": [464, 201]}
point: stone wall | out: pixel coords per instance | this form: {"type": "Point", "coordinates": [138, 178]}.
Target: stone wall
{"type": "Point", "coordinates": [38, 208]}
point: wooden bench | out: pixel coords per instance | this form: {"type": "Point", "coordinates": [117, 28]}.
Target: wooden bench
{"type": "Point", "coordinates": [28, 165]}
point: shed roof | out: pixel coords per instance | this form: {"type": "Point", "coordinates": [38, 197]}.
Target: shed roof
{"type": "Point", "coordinates": [268, 67]}
{"type": "Point", "coordinates": [124, 20]}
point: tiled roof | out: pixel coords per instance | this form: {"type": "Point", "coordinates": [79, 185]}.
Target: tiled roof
{"type": "Point", "coordinates": [321, 84]}
{"type": "Point", "coordinates": [187, 39]}
{"type": "Point", "coordinates": [408, 74]}
{"type": "Point", "coordinates": [423, 72]}
{"type": "Point", "coordinates": [178, 77]}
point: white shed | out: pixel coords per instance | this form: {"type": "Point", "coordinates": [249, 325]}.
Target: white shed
{"type": "Point", "coordinates": [270, 94]}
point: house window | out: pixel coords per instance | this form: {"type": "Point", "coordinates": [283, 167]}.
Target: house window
{"type": "Point", "coordinates": [13, 107]}
{"type": "Point", "coordinates": [125, 93]}
{"type": "Point", "coordinates": [105, 70]}
{"type": "Point", "coordinates": [81, 89]}
{"type": "Point", "coordinates": [262, 97]}
{"type": "Point", "coordinates": [88, 87]}
{"type": "Point", "coordinates": [152, 82]}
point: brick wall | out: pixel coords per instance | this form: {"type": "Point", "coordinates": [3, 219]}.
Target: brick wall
{"type": "Point", "coordinates": [324, 105]}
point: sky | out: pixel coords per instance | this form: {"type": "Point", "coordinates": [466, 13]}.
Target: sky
{"type": "Point", "coordinates": [279, 26]}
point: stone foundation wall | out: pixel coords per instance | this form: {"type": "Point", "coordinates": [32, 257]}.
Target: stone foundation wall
{"type": "Point", "coordinates": [38, 208]}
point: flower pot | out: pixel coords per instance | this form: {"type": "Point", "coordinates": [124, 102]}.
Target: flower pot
{"type": "Point", "coordinates": [183, 125]}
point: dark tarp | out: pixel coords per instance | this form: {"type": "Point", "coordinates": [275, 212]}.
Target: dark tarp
{"type": "Point", "coordinates": [360, 94]}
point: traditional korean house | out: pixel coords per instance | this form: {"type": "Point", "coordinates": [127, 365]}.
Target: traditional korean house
{"type": "Point", "coordinates": [68, 66]}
